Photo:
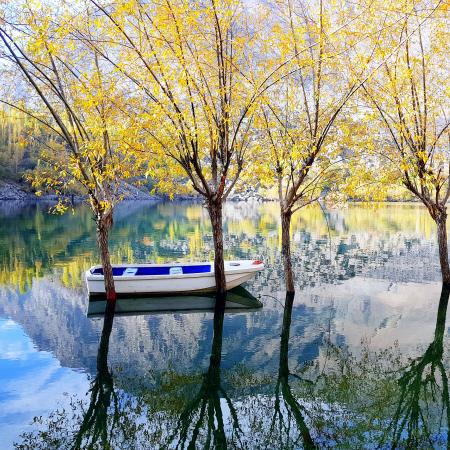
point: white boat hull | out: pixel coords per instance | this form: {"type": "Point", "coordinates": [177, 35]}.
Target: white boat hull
{"type": "Point", "coordinates": [180, 283]}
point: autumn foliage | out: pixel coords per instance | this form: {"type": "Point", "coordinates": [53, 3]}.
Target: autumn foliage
{"type": "Point", "coordinates": [331, 99]}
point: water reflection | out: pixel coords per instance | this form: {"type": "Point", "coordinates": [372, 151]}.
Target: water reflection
{"type": "Point", "coordinates": [238, 299]}
{"type": "Point", "coordinates": [34, 244]}
{"type": "Point", "coordinates": [202, 421]}
{"type": "Point", "coordinates": [123, 411]}
{"type": "Point", "coordinates": [379, 398]}
{"type": "Point", "coordinates": [287, 408]}
{"type": "Point", "coordinates": [422, 414]}
{"type": "Point", "coordinates": [332, 379]}
{"type": "Point", "coordinates": [102, 415]}
{"type": "Point", "coordinates": [108, 420]}
{"type": "Point", "coordinates": [363, 400]}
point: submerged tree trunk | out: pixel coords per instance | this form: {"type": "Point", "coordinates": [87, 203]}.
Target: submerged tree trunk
{"type": "Point", "coordinates": [441, 222]}
{"type": "Point", "coordinates": [215, 214]}
{"type": "Point", "coordinates": [104, 225]}
{"type": "Point", "coordinates": [286, 216]}
{"type": "Point", "coordinates": [102, 355]}
{"type": "Point", "coordinates": [283, 370]}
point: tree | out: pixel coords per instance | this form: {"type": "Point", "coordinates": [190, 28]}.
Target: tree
{"type": "Point", "coordinates": [410, 98]}
{"type": "Point", "coordinates": [69, 90]}
{"type": "Point", "coordinates": [299, 114]}
{"type": "Point", "coordinates": [192, 62]}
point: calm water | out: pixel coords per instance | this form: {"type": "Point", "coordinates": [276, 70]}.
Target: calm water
{"type": "Point", "coordinates": [359, 359]}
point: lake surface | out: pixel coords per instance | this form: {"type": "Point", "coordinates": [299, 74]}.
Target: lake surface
{"type": "Point", "coordinates": [359, 359]}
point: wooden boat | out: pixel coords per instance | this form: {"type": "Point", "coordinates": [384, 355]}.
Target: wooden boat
{"type": "Point", "coordinates": [178, 278]}
{"type": "Point", "coordinates": [238, 300]}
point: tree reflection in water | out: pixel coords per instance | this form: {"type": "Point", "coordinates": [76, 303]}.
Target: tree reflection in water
{"type": "Point", "coordinates": [291, 407]}
{"type": "Point", "coordinates": [109, 421]}
{"type": "Point", "coordinates": [367, 400]}
{"type": "Point", "coordinates": [94, 427]}
{"type": "Point", "coordinates": [206, 408]}
{"type": "Point", "coordinates": [423, 386]}
{"type": "Point", "coordinates": [142, 418]}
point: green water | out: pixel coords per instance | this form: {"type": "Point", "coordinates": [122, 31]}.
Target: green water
{"type": "Point", "coordinates": [358, 359]}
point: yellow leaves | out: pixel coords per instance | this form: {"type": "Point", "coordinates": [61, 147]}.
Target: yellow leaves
{"type": "Point", "coordinates": [166, 96]}
{"type": "Point", "coordinates": [404, 166]}
{"type": "Point", "coordinates": [444, 6]}
{"type": "Point", "coordinates": [150, 173]}
{"type": "Point", "coordinates": [98, 22]}
{"type": "Point", "coordinates": [105, 205]}
{"type": "Point", "coordinates": [422, 155]}
{"type": "Point", "coordinates": [299, 151]}
{"type": "Point", "coordinates": [60, 208]}
{"type": "Point", "coordinates": [125, 7]}
{"type": "Point", "coordinates": [22, 142]}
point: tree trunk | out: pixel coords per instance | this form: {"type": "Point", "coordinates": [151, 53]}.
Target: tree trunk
{"type": "Point", "coordinates": [286, 249]}
{"type": "Point", "coordinates": [215, 214]}
{"type": "Point", "coordinates": [441, 222]}
{"type": "Point", "coordinates": [104, 224]}
{"type": "Point", "coordinates": [283, 370]}
{"type": "Point", "coordinates": [439, 330]}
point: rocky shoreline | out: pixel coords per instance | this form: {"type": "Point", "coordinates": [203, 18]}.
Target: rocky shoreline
{"type": "Point", "coordinates": [15, 192]}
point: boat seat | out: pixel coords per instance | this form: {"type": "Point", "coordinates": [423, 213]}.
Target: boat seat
{"type": "Point", "coordinates": [155, 270]}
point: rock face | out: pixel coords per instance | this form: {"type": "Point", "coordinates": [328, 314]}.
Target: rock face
{"type": "Point", "coordinates": [131, 192]}
{"type": "Point", "coordinates": [249, 193]}
{"type": "Point", "coordinates": [13, 191]}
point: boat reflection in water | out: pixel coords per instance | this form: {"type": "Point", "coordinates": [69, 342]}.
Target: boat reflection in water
{"type": "Point", "coordinates": [129, 413]}
{"type": "Point", "coordinates": [204, 410]}
{"type": "Point", "coordinates": [402, 404]}
{"type": "Point", "coordinates": [238, 299]}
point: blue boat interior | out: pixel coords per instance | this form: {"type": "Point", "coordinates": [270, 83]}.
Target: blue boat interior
{"type": "Point", "coordinates": [162, 270]}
